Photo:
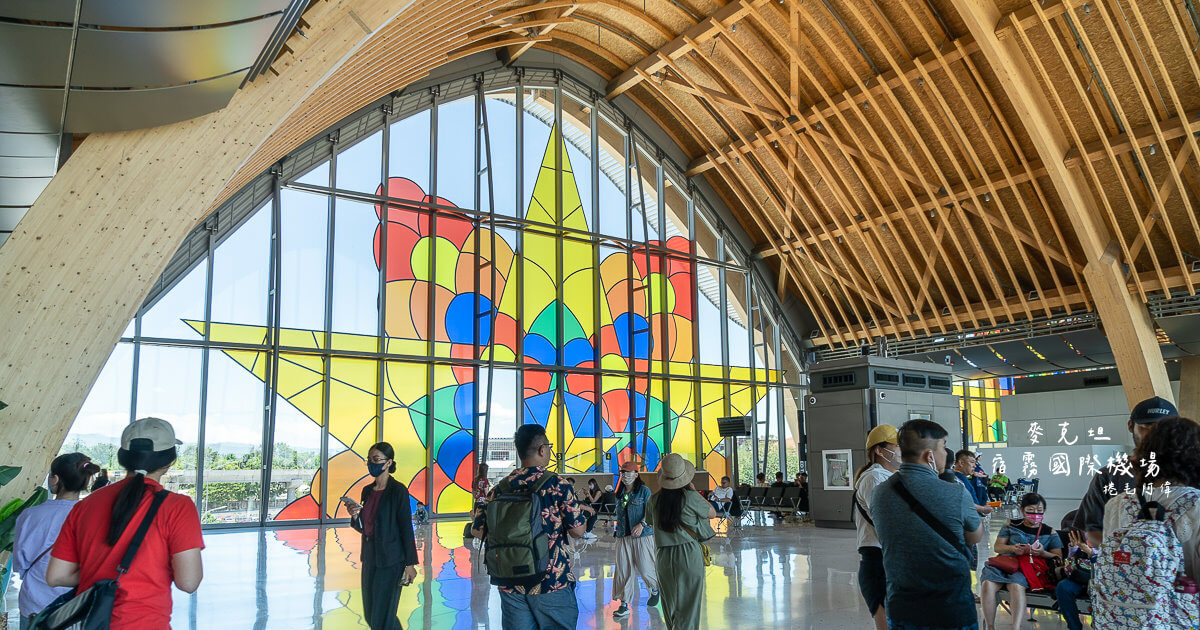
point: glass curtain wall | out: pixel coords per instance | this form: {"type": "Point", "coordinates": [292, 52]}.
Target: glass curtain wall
{"type": "Point", "coordinates": [979, 400]}
{"type": "Point", "coordinates": [509, 254]}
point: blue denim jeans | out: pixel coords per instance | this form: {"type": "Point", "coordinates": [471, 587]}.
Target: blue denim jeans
{"type": "Point", "coordinates": [1066, 592]}
{"type": "Point", "coordinates": [557, 610]}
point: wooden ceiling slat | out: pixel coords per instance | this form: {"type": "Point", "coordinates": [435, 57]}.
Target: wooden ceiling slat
{"type": "Point", "coordinates": [840, 114]}
{"type": "Point", "coordinates": [811, 295]}
{"type": "Point", "coordinates": [1158, 110]}
{"type": "Point", "coordinates": [764, 84]}
{"type": "Point", "coordinates": [697, 34]}
{"type": "Point", "coordinates": [911, 136]}
{"type": "Point", "coordinates": [828, 269]}
{"type": "Point", "coordinates": [1143, 136]}
{"type": "Point", "coordinates": [1056, 101]}
{"type": "Point", "coordinates": [978, 168]}
{"type": "Point", "coordinates": [1043, 246]}
{"type": "Point", "coordinates": [1101, 69]}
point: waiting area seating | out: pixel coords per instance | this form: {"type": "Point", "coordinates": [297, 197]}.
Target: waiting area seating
{"type": "Point", "coordinates": [786, 500]}
{"type": "Point", "coordinates": [1041, 600]}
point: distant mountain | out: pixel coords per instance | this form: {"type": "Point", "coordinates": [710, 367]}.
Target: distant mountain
{"type": "Point", "coordinates": [237, 449]}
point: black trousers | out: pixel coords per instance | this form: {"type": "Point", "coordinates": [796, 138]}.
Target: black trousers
{"type": "Point", "coordinates": [381, 595]}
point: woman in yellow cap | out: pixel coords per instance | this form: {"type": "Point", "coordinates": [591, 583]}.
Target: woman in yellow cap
{"type": "Point", "coordinates": [679, 516]}
{"type": "Point", "coordinates": [883, 459]}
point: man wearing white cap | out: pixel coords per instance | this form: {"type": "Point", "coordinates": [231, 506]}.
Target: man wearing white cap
{"type": "Point", "coordinates": [883, 458]}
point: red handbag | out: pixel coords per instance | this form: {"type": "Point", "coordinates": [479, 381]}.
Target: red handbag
{"type": "Point", "coordinates": [1006, 564]}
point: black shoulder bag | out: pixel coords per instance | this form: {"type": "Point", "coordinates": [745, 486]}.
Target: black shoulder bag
{"type": "Point", "coordinates": [92, 609]}
{"type": "Point", "coordinates": [930, 520]}
{"type": "Point", "coordinates": [861, 511]}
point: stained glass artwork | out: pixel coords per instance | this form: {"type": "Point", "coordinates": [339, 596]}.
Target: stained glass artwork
{"type": "Point", "coordinates": [645, 325]}
{"type": "Point", "coordinates": [365, 301]}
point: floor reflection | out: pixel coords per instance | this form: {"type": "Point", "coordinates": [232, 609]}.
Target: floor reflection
{"type": "Point", "coordinates": [771, 576]}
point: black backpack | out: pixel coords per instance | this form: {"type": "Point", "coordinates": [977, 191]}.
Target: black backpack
{"type": "Point", "coordinates": [518, 551]}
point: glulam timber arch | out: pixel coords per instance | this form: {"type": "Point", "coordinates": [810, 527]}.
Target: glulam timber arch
{"type": "Point", "coordinates": [908, 168]}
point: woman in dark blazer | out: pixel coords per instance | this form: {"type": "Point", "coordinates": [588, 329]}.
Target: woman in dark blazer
{"type": "Point", "coordinates": [389, 552]}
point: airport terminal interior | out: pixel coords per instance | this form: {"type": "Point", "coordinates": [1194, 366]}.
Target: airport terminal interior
{"type": "Point", "coordinates": [746, 232]}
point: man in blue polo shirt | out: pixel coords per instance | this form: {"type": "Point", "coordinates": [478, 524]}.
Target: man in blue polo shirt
{"type": "Point", "coordinates": [925, 525]}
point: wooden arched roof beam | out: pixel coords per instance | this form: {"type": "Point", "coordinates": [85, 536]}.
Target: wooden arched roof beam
{"type": "Point", "coordinates": [398, 53]}
{"type": "Point", "coordinates": [977, 166]}
{"type": "Point", "coordinates": [773, 186]}
{"type": "Point", "coordinates": [810, 289]}
{"type": "Point", "coordinates": [799, 40]}
{"type": "Point", "coordinates": [1155, 114]}
{"type": "Point", "coordinates": [897, 138]}
{"type": "Point", "coordinates": [844, 200]}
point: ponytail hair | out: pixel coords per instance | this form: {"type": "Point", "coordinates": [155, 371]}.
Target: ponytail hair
{"type": "Point", "coordinates": [73, 471]}
{"type": "Point", "coordinates": [137, 462]}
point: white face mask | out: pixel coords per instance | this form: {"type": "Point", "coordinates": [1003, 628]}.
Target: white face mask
{"type": "Point", "coordinates": [628, 477]}
{"type": "Point", "coordinates": [887, 454]}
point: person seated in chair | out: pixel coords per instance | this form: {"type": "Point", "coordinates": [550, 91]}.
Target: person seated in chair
{"type": "Point", "coordinates": [608, 501]}
{"type": "Point", "coordinates": [723, 497]}
{"type": "Point", "coordinates": [802, 483]}
{"type": "Point", "coordinates": [1081, 558]}
{"type": "Point", "coordinates": [997, 486]}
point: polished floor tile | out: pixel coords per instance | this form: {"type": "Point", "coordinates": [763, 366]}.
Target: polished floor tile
{"type": "Point", "coordinates": [763, 577]}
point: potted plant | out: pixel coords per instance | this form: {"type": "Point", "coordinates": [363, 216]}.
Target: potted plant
{"type": "Point", "coordinates": [8, 522]}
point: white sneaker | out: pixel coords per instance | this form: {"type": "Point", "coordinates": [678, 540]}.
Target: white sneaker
{"type": "Point", "coordinates": [590, 536]}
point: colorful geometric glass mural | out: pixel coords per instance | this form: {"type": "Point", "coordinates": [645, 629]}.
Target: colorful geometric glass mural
{"type": "Point", "coordinates": [426, 300]}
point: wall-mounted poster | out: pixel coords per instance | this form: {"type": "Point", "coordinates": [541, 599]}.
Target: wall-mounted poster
{"type": "Point", "coordinates": [837, 469]}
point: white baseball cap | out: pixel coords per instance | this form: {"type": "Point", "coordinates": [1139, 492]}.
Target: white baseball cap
{"type": "Point", "coordinates": [159, 432]}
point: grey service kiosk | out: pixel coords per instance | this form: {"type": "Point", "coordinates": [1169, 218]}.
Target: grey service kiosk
{"type": "Point", "coordinates": [848, 398]}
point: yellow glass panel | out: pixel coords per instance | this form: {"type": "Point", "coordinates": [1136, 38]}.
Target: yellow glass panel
{"type": "Point", "coordinates": [406, 385]}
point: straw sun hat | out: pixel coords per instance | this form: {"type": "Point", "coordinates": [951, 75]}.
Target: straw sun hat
{"type": "Point", "coordinates": [675, 472]}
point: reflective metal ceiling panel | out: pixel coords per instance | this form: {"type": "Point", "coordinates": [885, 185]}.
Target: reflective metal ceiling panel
{"type": "Point", "coordinates": [30, 109]}
{"type": "Point", "coordinates": [165, 58]}
{"type": "Point", "coordinates": [1092, 344]}
{"type": "Point", "coordinates": [1057, 352]}
{"type": "Point", "coordinates": [9, 218]}
{"type": "Point", "coordinates": [28, 144]}
{"type": "Point", "coordinates": [1018, 354]}
{"type": "Point", "coordinates": [26, 166]}
{"type": "Point", "coordinates": [1184, 330]}
{"type": "Point", "coordinates": [981, 356]}
{"type": "Point", "coordinates": [141, 13]}
{"type": "Point", "coordinates": [21, 191]}
{"type": "Point", "coordinates": [121, 110]}
{"type": "Point", "coordinates": [33, 55]}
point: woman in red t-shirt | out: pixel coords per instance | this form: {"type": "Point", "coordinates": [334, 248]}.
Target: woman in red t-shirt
{"type": "Point", "coordinates": [99, 529]}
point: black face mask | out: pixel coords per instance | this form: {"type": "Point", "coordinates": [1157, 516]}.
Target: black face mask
{"type": "Point", "coordinates": [375, 469]}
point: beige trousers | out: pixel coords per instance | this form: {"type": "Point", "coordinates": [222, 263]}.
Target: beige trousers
{"type": "Point", "coordinates": [635, 556]}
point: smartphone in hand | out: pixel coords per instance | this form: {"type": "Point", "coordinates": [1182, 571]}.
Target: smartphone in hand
{"type": "Point", "coordinates": [350, 503]}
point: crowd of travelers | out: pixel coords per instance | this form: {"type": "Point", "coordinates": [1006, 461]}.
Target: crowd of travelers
{"type": "Point", "coordinates": [1130, 552]}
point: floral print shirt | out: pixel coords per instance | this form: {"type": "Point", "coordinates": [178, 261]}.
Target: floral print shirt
{"type": "Point", "coordinates": [560, 512]}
